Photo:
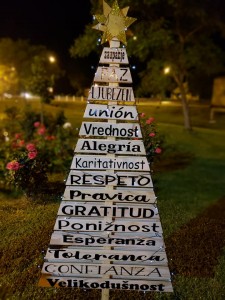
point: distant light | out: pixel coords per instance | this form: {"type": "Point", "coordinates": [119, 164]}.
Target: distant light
{"type": "Point", "coordinates": [7, 95]}
{"type": "Point", "coordinates": [166, 70]}
{"type": "Point", "coordinates": [134, 37]}
{"type": "Point", "coordinates": [26, 95]}
{"type": "Point", "coordinates": [52, 59]}
{"type": "Point", "coordinates": [133, 67]}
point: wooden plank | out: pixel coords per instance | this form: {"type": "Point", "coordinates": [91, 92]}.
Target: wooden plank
{"type": "Point", "coordinates": [123, 163]}
{"type": "Point", "coordinates": [110, 93]}
{"type": "Point", "coordinates": [116, 196]}
{"type": "Point", "coordinates": [111, 112]}
{"type": "Point", "coordinates": [104, 178]}
{"type": "Point", "coordinates": [113, 74]}
{"type": "Point", "coordinates": [126, 130]}
{"type": "Point", "coordinates": [114, 55]}
{"type": "Point", "coordinates": [101, 283]}
{"type": "Point", "coordinates": [99, 225]}
{"type": "Point", "coordinates": [88, 255]}
{"type": "Point", "coordinates": [94, 209]}
{"type": "Point", "coordinates": [118, 241]}
{"type": "Point", "coordinates": [115, 271]}
{"type": "Point", "coordinates": [102, 146]}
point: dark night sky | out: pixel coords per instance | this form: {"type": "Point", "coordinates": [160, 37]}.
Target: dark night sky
{"type": "Point", "coordinates": [51, 23]}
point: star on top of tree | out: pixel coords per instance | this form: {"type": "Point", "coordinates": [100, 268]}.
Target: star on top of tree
{"type": "Point", "coordinates": [114, 22]}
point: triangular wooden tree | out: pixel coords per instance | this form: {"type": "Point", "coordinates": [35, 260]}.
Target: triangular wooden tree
{"type": "Point", "coordinates": [108, 233]}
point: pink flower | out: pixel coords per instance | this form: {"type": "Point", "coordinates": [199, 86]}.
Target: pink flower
{"type": "Point", "coordinates": [150, 120]}
{"type": "Point", "coordinates": [142, 115]}
{"type": "Point", "coordinates": [37, 124]}
{"type": "Point", "coordinates": [31, 147]}
{"type": "Point", "coordinates": [21, 143]}
{"type": "Point", "coordinates": [42, 130]}
{"type": "Point", "coordinates": [152, 134]}
{"type": "Point", "coordinates": [14, 145]}
{"type": "Point", "coordinates": [158, 150]}
{"type": "Point", "coordinates": [18, 135]}
{"type": "Point", "coordinates": [50, 137]}
{"type": "Point", "coordinates": [32, 154]}
{"type": "Point", "coordinates": [13, 165]}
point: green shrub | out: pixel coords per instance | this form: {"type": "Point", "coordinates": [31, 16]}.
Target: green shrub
{"type": "Point", "coordinates": [37, 150]}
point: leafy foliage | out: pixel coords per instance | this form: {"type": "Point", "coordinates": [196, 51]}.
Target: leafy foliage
{"type": "Point", "coordinates": [85, 43]}
{"type": "Point", "coordinates": [9, 79]}
{"type": "Point", "coordinates": [36, 151]}
{"type": "Point", "coordinates": [182, 35]}
{"type": "Point", "coordinates": [152, 140]}
{"type": "Point", "coordinates": [29, 67]}
{"type": "Point", "coordinates": [28, 173]}
{"type": "Point", "coordinates": [42, 79]}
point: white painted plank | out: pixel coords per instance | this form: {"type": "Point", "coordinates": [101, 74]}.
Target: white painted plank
{"type": "Point", "coordinates": [126, 130]}
{"type": "Point", "coordinates": [123, 163]}
{"type": "Point", "coordinates": [110, 93]}
{"type": "Point", "coordinates": [115, 271]}
{"type": "Point", "coordinates": [101, 283]}
{"type": "Point", "coordinates": [113, 74]}
{"type": "Point", "coordinates": [111, 112]}
{"type": "Point", "coordinates": [99, 225]}
{"type": "Point", "coordinates": [118, 240]}
{"type": "Point", "coordinates": [101, 178]}
{"type": "Point", "coordinates": [114, 55]}
{"type": "Point", "coordinates": [102, 146]}
{"type": "Point", "coordinates": [88, 255]}
{"type": "Point", "coordinates": [116, 196]}
{"type": "Point", "coordinates": [93, 209]}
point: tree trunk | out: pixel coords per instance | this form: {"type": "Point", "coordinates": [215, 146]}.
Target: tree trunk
{"type": "Point", "coordinates": [185, 107]}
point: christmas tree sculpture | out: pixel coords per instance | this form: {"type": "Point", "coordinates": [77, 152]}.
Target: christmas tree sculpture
{"type": "Point", "coordinates": [108, 233]}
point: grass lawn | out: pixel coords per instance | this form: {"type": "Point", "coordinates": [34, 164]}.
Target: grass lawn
{"type": "Point", "coordinates": [189, 182]}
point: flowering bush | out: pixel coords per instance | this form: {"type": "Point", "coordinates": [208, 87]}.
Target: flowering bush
{"type": "Point", "coordinates": [151, 139]}
{"type": "Point", "coordinates": [27, 171]}
{"type": "Point", "coordinates": [30, 161]}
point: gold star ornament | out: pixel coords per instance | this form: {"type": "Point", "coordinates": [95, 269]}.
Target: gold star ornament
{"type": "Point", "coordinates": [114, 22]}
